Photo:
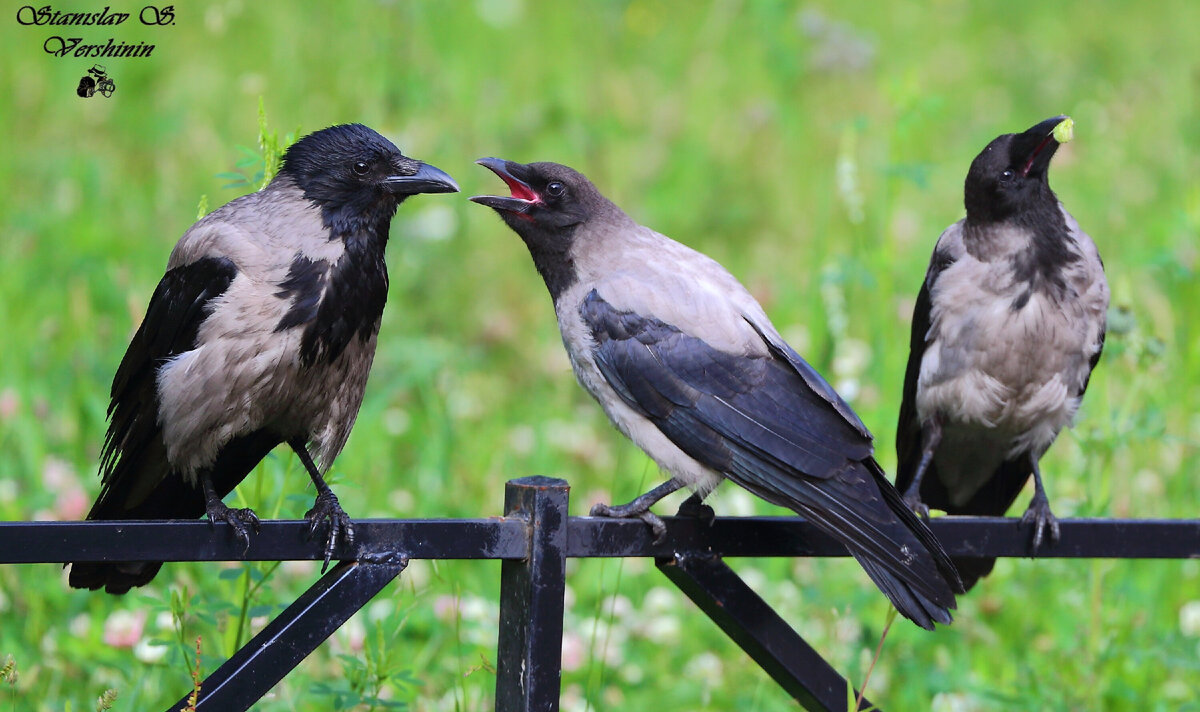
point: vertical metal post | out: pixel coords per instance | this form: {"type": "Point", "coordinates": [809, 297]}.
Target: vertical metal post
{"type": "Point", "coordinates": [529, 649]}
{"type": "Point", "coordinates": [758, 629]}
{"type": "Point", "coordinates": [279, 647]}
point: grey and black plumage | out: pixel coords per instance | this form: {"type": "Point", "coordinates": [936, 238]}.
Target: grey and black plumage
{"type": "Point", "coordinates": [686, 364]}
{"type": "Point", "coordinates": [262, 332]}
{"type": "Point", "coordinates": [1007, 328]}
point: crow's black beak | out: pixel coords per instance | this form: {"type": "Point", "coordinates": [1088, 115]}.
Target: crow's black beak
{"type": "Point", "coordinates": [523, 197]}
{"type": "Point", "coordinates": [1037, 145]}
{"type": "Point", "coordinates": [427, 179]}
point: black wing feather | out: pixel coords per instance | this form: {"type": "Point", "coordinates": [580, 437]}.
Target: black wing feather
{"type": "Point", "coordinates": [1094, 360]}
{"type": "Point", "coordinates": [815, 382]}
{"type": "Point", "coordinates": [908, 429]}
{"type": "Point", "coordinates": [133, 449]}
{"type": "Point", "coordinates": [757, 420]}
{"type": "Point", "coordinates": [137, 479]}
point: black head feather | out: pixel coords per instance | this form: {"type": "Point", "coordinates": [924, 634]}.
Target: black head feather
{"type": "Point", "coordinates": [357, 177]}
{"type": "Point", "coordinates": [1008, 185]}
{"type": "Point", "coordinates": [1009, 177]}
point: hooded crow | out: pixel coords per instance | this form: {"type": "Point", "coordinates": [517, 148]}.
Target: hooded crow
{"type": "Point", "coordinates": [1006, 331]}
{"type": "Point", "coordinates": [261, 332]}
{"type": "Point", "coordinates": [687, 365]}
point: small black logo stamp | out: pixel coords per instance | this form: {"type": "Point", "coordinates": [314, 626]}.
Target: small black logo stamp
{"type": "Point", "coordinates": [96, 80]}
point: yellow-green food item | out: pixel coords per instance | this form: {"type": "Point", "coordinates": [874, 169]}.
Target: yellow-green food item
{"type": "Point", "coordinates": [1065, 131]}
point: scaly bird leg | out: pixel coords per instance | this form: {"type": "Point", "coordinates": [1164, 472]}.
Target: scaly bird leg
{"type": "Point", "coordinates": [1039, 514]}
{"type": "Point", "coordinates": [240, 519]}
{"type": "Point", "coordinates": [931, 437]}
{"type": "Point", "coordinates": [325, 509]}
{"type": "Point", "coordinates": [640, 509]}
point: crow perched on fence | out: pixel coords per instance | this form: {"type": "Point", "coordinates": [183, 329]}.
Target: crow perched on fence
{"type": "Point", "coordinates": [261, 332]}
{"type": "Point", "coordinates": [1006, 331]}
{"type": "Point", "coordinates": [686, 364]}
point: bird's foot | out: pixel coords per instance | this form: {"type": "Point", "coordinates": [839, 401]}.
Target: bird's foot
{"type": "Point", "coordinates": [912, 500]}
{"type": "Point", "coordinates": [693, 506]}
{"type": "Point", "coordinates": [1040, 516]}
{"type": "Point", "coordinates": [242, 520]}
{"type": "Point", "coordinates": [327, 511]}
{"type": "Point", "coordinates": [633, 511]}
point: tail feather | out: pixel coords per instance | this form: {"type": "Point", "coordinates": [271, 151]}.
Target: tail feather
{"type": "Point", "coordinates": [861, 509]}
{"type": "Point", "coordinates": [972, 570]}
{"type": "Point", "coordinates": [909, 602]}
{"type": "Point", "coordinates": [172, 497]}
{"type": "Point", "coordinates": [947, 566]}
{"type": "Point", "coordinates": [114, 577]}
{"type": "Point", "coordinates": [992, 500]}
{"type": "Point", "coordinates": [906, 595]}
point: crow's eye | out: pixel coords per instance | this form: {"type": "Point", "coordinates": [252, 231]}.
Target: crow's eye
{"type": "Point", "coordinates": [1006, 176]}
{"type": "Point", "coordinates": [554, 189]}
{"type": "Point", "coordinates": [361, 168]}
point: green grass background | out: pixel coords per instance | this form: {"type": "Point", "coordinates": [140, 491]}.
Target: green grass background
{"type": "Point", "coordinates": [816, 149]}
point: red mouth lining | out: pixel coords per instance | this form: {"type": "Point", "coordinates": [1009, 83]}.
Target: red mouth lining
{"type": "Point", "coordinates": [519, 189]}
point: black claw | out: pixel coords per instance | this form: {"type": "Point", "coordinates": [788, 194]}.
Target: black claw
{"type": "Point", "coordinates": [327, 511]}
{"type": "Point", "coordinates": [601, 510]}
{"type": "Point", "coordinates": [640, 508]}
{"type": "Point", "coordinates": [913, 502]}
{"type": "Point", "coordinates": [657, 527]}
{"type": "Point", "coordinates": [240, 520]}
{"type": "Point", "coordinates": [1040, 516]}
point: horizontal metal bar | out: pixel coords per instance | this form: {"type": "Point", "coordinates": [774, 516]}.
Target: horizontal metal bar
{"type": "Point", "coordinates": [57, 542]}
{"type": "Point", "coordinates": [1081, 538]}
{"type": "Point", "coordinates": [961, 536]}
{"type": "Point", "coordinates": [506, 538]}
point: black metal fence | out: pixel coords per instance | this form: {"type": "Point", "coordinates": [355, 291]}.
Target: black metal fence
{"type": "Point", "coordinates": [534, 538]}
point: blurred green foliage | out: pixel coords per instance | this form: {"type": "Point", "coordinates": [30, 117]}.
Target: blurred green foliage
{"type": "Point", "coordinates": [816, 149]}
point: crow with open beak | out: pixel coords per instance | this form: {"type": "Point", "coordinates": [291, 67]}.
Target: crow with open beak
{"type": "Point", "coordinates": [262, 332]}
{"type": "Point", "coordinates": [1007, 328]}
{"type": "Point", "coordinates": [686, 364]}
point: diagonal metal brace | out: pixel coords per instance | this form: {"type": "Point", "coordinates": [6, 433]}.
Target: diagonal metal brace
{"type": "Point", "coordinates": [757, 628]}
{"type": "Point", "coordinates": [278, 648]}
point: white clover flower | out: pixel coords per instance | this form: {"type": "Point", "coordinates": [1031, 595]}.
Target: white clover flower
{"type": "Point", "coordinates": [574, 651]}
{"type": "Point", "coordinates": [148, 652]}
{"type": "Point", "coordinates": [123, 629]}
{"type": "Point", "coordinates": [1189, 619]}
{"type": "Point", "coordinates": [955, 702]}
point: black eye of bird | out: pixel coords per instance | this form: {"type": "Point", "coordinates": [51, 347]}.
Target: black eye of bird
{"type": "Point", "coordinates": [361, 168]}
{"type": "Point", "coordinates": [1006, 176]}
{"type": "Point", "coordinates": [554, 189]}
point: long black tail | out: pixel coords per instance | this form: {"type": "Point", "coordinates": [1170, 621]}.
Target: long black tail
{"type": "Point", "coordinates": [861, 509]}
{"type": "Point", "coordinates": [171, 497]}
{"type": "Point", "coordinates": [992, 500]}
{"type": "Point", "coordinates": [914, 601]}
